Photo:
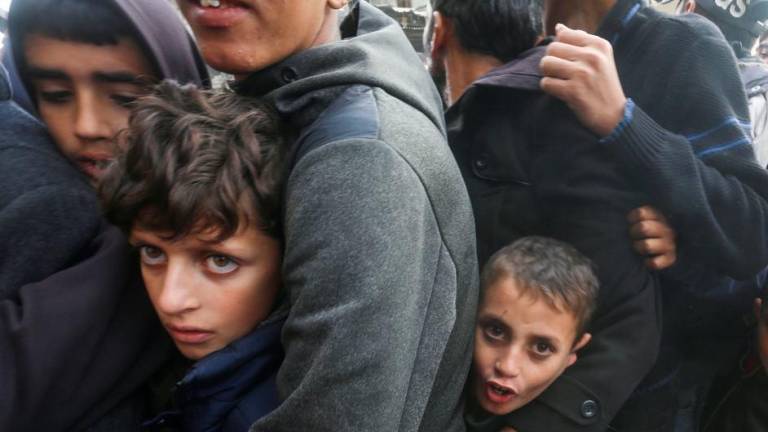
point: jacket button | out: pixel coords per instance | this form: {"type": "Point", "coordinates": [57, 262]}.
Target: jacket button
{"type": "Point", "coordinates": [289, 75]}
{"type": "Point", "coordinates": [481, 164]}
{"type": "Point", "coordinates": [589, 409]}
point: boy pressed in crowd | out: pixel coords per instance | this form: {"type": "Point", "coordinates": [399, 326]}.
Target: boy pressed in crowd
{"type": "Point", "coordinates": [77, 335]}
{"type": "Point", "coordinates": [532, 169]}
{"type": "Point", "coordinates": [665, 95]}
{"type": "Point", "coordinates": [380, 269]}
{"type": "Point", "coordinates": [536, 298]}
{"type": "Point", "coordinates": [197, 189]}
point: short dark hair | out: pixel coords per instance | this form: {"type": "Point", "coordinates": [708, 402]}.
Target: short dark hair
{"type": "Point", "coordinates": [86, 21]}
{"type": "Point", "coordinates": [503, 29]}
{"type": "Point", "coordinates": [197, 160]}
{"type": "Point", "coordinates": [549, 269]}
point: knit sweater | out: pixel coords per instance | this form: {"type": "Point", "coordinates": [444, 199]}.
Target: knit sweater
{"type": "Point", "coordinates": [685, 138]}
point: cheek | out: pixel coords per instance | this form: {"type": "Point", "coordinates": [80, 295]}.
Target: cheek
{"type": "Point", "coordinates": [59, 120]}
{"type": "Point", "coordinates": [247, 301]}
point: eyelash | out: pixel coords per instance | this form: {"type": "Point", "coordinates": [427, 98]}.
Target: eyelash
{"type": "Point", "coordinates": [63, 96]}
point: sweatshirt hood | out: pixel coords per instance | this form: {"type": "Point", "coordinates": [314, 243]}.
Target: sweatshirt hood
{"type": "Point", "coordinates": [162, 33]}
{"type": "Point", "coordinates": [373, 51]}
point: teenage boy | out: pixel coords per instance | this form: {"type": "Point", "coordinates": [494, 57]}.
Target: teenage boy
{"type": "Point", "coordinates": [537, 296]}
{"type": "Point", "coordinates": [626, 75]}
{"type": "Point", "coordinates": [76, 339]}
{"type": "Point", "coordinates": [379, 266]}
{"type": "Point", "coordinates": [203, 215]}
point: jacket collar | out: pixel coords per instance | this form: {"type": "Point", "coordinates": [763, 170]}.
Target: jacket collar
{"type": "Point", "coordinates": [619, 18]}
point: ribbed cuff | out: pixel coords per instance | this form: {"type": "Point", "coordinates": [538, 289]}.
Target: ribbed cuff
{"type": "Point", "coordinates": [640, 141]}
{"type": "Point", "coordinates": [629, 112]}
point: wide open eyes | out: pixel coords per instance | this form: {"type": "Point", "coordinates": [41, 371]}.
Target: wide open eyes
{"type": "Point", "coordinates": [221, 264]}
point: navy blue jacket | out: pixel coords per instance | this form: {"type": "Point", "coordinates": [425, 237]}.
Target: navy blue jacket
{"type": "Point", "coordinates": [230, 389]}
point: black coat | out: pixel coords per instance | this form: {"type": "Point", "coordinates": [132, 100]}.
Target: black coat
{"type": "Point", "coordinates": [78, 335]}
{"type": "Point", "coordinates": [532, 169]}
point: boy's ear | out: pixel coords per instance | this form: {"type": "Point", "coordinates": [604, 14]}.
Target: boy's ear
{"type": "Point", "coordinates": [583, 341]}
{"type": "Point", "coordinates": [758, 308]}
{"type": "Point", "coordinates": [439, 34]}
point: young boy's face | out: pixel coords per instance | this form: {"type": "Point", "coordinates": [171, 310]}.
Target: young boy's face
{"type": "Point", "coordinates": [522, 345]}
{"type": "Point", "coordinates": [207, 293]}
{"type": "Point", "coordinates": [83, 93]}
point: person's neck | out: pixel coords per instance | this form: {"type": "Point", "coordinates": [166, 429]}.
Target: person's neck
{"type": "Point", "coordinates": [464, 68]}
{"type": "Point", "coordinates": [584, 15]}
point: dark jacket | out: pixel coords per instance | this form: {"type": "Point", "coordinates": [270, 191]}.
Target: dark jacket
{"type": "Point", "coordinates": [230, 389]}
{"type": "Point", "coordinates": [78, 336]}
{"type": "Point", "coordinates": [73, 344]}
{"type": "Point", "coordinates": [744, 408]}
{"type": "Point", "coordinates": [685, 146]}
{"type": "Point", "coordinates": [380, 268]}
{"type": "Point", "coordinates": [532, 169]}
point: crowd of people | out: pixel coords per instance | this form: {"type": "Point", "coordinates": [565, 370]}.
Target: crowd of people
{"type": "Point", "coordinates": [560, 223]}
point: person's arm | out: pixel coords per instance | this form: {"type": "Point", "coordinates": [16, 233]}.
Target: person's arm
{"type": "Point", "coordinates": [365, 266]}
{"type": "Point", "coordinates": [43, 230]}
{"type": "Point", "coordinates": [706, 181]}
{"type": "Point", "coordinates": [74, 345]}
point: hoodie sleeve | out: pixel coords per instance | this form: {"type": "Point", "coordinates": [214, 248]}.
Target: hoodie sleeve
{"type": "Point", "coordinates": [43, 230]}
{"type": "Point", "coordinates": [74, 345]}
{"type": "Point", "coordinates": [704, 177]}
{"type": "Point", "coordinates": [363, 255]}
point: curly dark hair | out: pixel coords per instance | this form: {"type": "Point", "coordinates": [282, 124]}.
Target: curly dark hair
{"type": "Point", "coordinates": [549, 269]}
{"type": "Point", "coordinates": [195, 161]}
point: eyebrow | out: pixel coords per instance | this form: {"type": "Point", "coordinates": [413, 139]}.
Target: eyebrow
{"type": "Point", "coordinates": [117, 77]}
{"type": "Point", "coordinates": [50, 74]}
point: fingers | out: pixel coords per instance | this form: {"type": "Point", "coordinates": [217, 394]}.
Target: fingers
{"type": "Point", "coordinates": [645, 213]}
{"type": "Point", "coordinates": [580, 38]}
{"type": "Point", "coordinates": [648, 229]}
{"type": "Point", "coordinates": [653, 246]}
{"type": "Point", "coordinates": [661, 262]}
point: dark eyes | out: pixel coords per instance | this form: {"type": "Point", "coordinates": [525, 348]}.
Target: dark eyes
{"type": "Point", "coordinates": [55, 97]}
{"type": "Point", "coordinates": [151, 255]}
{"type": "Point", "coordinates": [543, 349]}
{"type": "Point", "coordinates": [64, 96]}
{"type": "Point", "coordinates": [221, 264]}
{"type": "Point", "coordinates": [494, 332]}
{"type": "Point", "coordinates": [125, 101]}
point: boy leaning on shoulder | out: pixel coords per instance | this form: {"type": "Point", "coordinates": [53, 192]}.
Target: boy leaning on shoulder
{"type": "Point", "coordinates": [197, 192]}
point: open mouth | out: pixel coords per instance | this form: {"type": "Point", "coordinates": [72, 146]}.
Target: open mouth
{"type": "Point", "coordinates": [94, 167]}
{"type": "Point", "coordinates": [499, 394]}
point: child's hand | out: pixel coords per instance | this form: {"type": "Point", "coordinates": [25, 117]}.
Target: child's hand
{"type": "Point", "coordinates": [579, 69]}
{"type": "Point", "coordinates": [652, 237]}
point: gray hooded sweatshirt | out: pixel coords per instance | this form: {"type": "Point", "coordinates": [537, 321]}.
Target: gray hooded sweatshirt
{"type": "Point", "coordinates": [380, 262]}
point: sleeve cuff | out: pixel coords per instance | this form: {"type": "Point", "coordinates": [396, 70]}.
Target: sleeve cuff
{"type": "Point", "coordinates": [629, 113]}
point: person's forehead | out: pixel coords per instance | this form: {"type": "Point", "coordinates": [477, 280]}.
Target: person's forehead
{"type": "Point", "coordinates": [45, 52]}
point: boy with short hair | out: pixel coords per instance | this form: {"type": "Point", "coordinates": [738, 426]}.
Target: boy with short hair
{"type": "Point", "coordinates": [197, 191]}
{"type": "Point", "coordinates": [537, 297]}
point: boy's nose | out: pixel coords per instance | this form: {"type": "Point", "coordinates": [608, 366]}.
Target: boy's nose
{"type": "Point", "coordinates": [508, 366]}
{"type": "Point", "coordinates": [178, 293]}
